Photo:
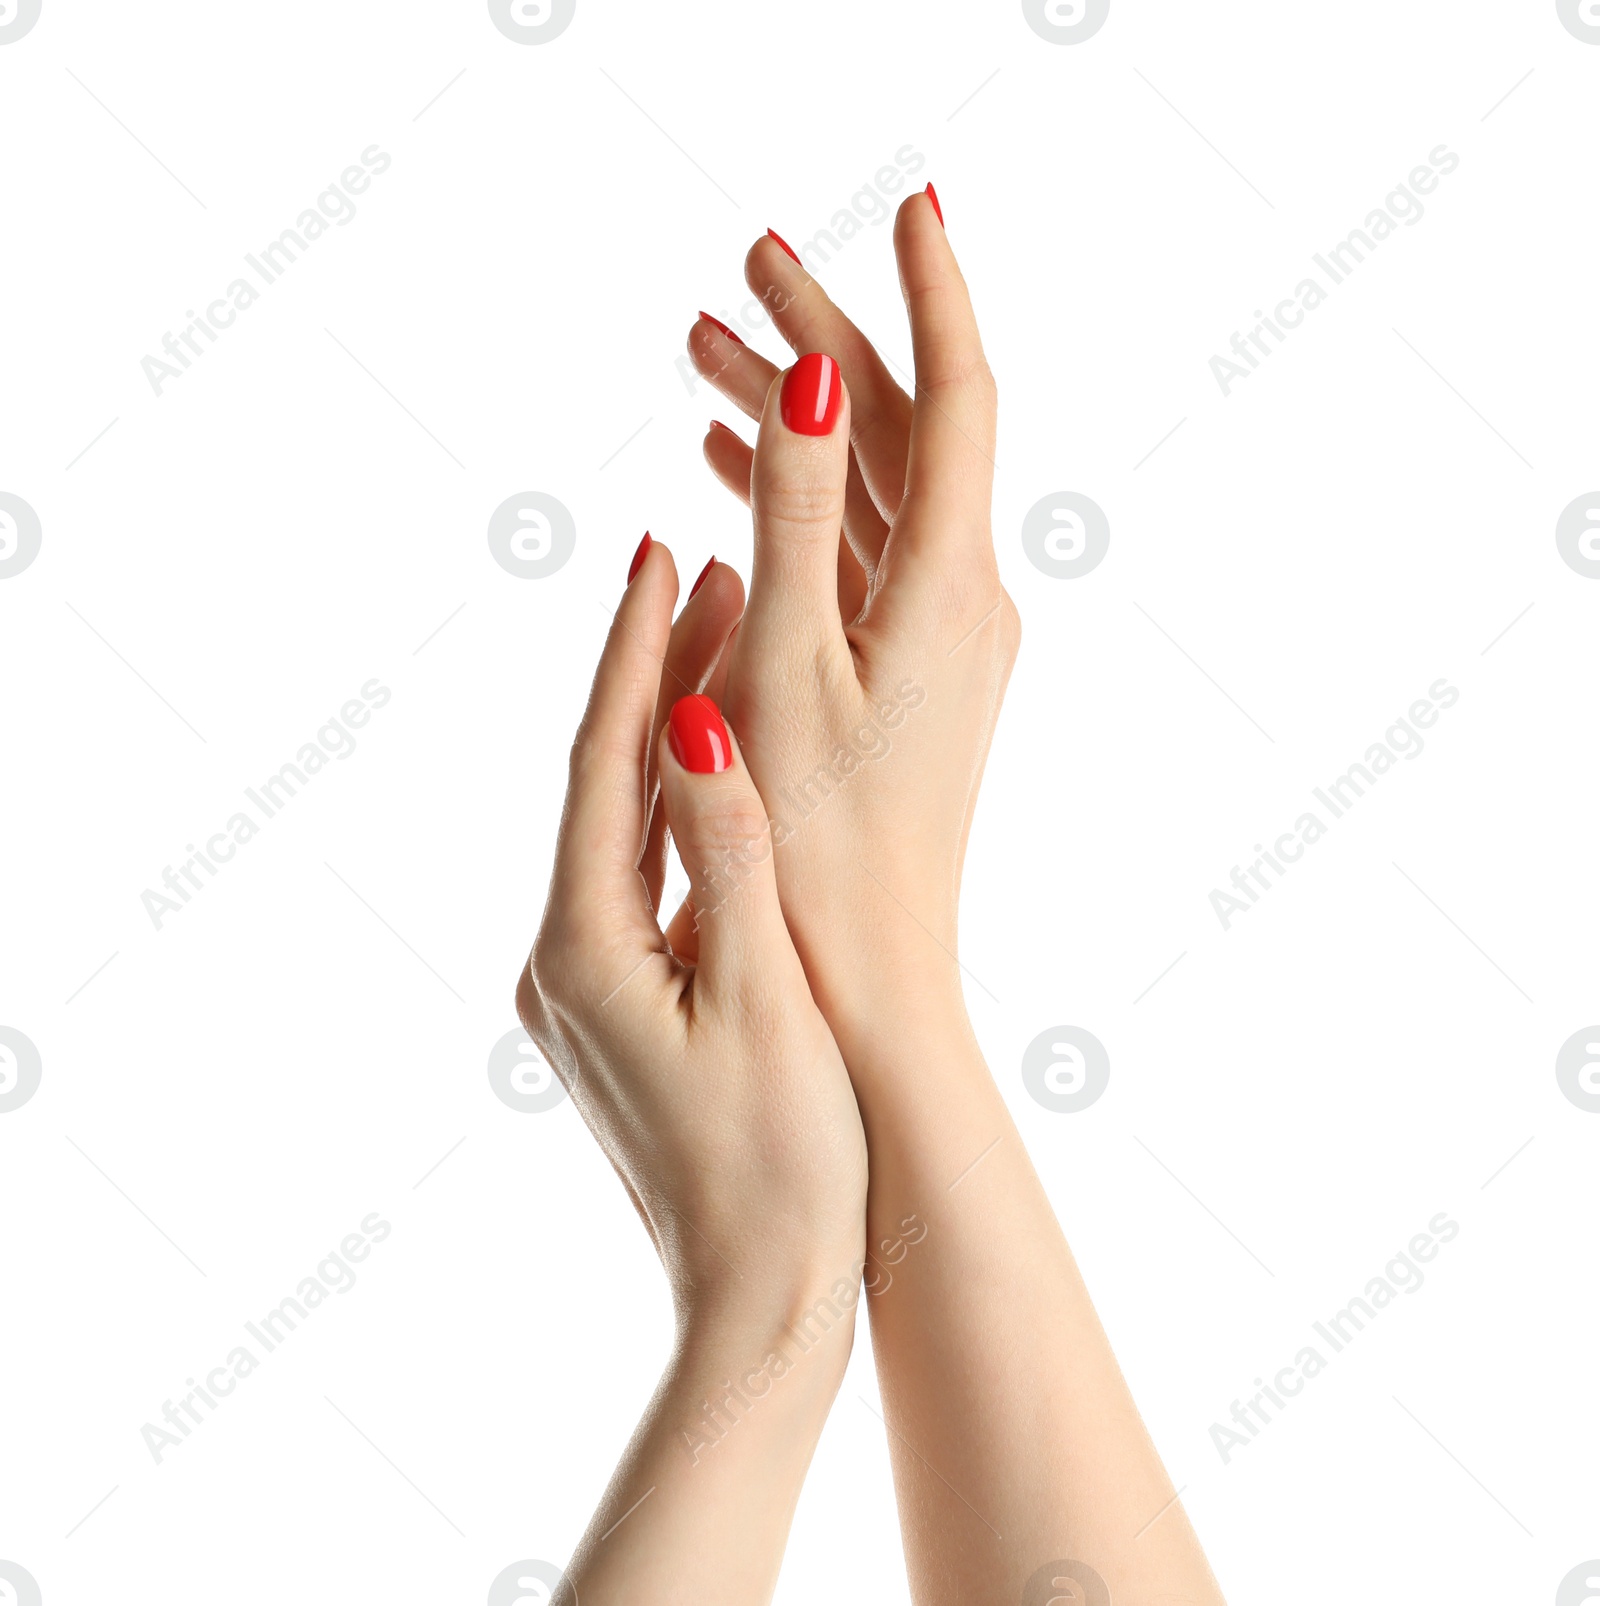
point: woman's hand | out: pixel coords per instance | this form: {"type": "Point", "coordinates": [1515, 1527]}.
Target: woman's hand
{"type": "Point", "coordinates": [709, 1079]}
{"type": "Point", "coordinates": [866, 681]}
{"type": "Point", "coordinates": [707, 1075]}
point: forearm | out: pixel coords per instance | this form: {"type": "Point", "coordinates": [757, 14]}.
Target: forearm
{"type": "Point", "coordinates": [698, 1510]}
{"type": "Point", "coordinates": [1014, 1437]}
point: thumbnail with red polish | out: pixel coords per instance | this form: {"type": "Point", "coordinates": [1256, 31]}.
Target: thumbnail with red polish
{"type": "Point", "coordinates": [717, 323]}
{"type": "Point", "coordinates": [772, 234]}
{"type": "Point", "coordinates": [639, 556]}
{"type": "Point", "coordinates": [812, 391]}
{"type": "Point", "coordinates": [933, 195]}
{"type": "Point", "coordinates": [697, 736]}
{"type": "Point", "coordinates": [711, 563]}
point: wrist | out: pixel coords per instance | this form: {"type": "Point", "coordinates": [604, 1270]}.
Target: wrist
{"type": "Point", "coordinates": [900, 1014]}
{"type": "Point", "coordinates": [738, 1358]}
{"type": "Point", "coordinates": [809, 1309]}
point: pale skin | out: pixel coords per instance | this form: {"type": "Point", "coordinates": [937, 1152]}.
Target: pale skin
{"type": "Point", "coordinates": [718, 1094]}
{"type": "Point", "coordinates": [812, 998]}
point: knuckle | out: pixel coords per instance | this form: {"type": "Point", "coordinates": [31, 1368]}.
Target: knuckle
{"type": "Point", "coordinates": [591, 748]}
{"type": "Point", "coordinates": [532, 1009]}
{"type": "Point", "coordinates": [954, 370]}
{"type": "Point", "coordinates": [580, 755]}
{"type": "Point", "coordinates": [731, 828]}
{"type": "Point", "coordinates": [547, 969]}
{"type": "Point", "coordinates": [1010, 625]}
{"type": "Point", "coordinates": [801, 493]}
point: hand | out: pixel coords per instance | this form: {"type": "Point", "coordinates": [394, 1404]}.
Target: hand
{"type": "Point", "coordinates": [866, 683]}
{"type": "Point", "coordinates": [707, 1076]}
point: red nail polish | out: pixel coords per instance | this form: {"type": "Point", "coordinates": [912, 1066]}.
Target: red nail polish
{"type": "Point", "coordinates": [933, 195]}
{"type": "Point", "coordinates": [639, 557]}
{"type": "Point", "coordinates": [717, 323]}
{"type": "Point", "coordinates": [772, 234]}
{"type": "Point", "coordinates": [710, 565]}
{"type": "Point", "coordinates": [716, 423]}
{"type": "Point", "coordinates": [809, 400]}
{"type": "Point", "coordinates": [697, 736]}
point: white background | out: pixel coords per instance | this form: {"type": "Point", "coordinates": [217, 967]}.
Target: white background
{"type": "Point", "coordinates": [228, 563]}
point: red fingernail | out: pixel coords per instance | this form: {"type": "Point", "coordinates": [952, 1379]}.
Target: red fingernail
{"type": "Point", "coordinates": [933, 195]}
{"type": "Point", "coordinates": [703, 573]}
{"type": "Point", "coordinates": [809, 400]}
{"type": "Point", "coordinates": [717, 323]}
{"type": "Point", "coordinates": [697, 736]}
{"type": "Point", "coordinates": [639, 557]}
{"type": "Point", "coordinates": [716, 423]}
{"type": "Point", "coordinates": [772, 234]}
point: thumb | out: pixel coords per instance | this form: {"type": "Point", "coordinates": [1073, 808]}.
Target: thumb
{"type": "Point", "coordinates": [724, 841]}
{"type": "Point", "coordinates": [798, 480]}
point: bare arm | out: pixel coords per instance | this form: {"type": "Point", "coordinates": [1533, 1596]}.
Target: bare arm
{"type": "Point", "coordinates": [866, 683]}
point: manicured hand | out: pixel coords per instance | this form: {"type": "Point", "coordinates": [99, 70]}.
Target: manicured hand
{"type": "Point", "coordinates": [707, 1075]}
{"type": "Point", "coordinates": [866, 679]}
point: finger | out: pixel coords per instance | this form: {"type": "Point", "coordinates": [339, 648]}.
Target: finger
{"type": "Point", "coordinates": [809, 321]}
{"type": "Point", "coordinates": [729, 459]}
{"type": "Point", "coordinates": [720, 826]}
{"type": "Point", "coordinates": [699, 634]}
{"type": "Point", "coordinates": [740, 374]}
{"type": "Point", "coordinates": [797, 495]}
{"type": "Point", "coordinates": [865, 532]}
{"type": "Point", "coordinates": [596, 896]}
{"type": "Point", "coordinates": [717, 680]}
{"type": "Point", "coordinates": [950, 467]}
{"type": "Point", "coordinates": [852, 585]}
{"type": "Point", "coordinates": [864, 526]}
{"type": "Point", "coordinates": [681, 936]}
